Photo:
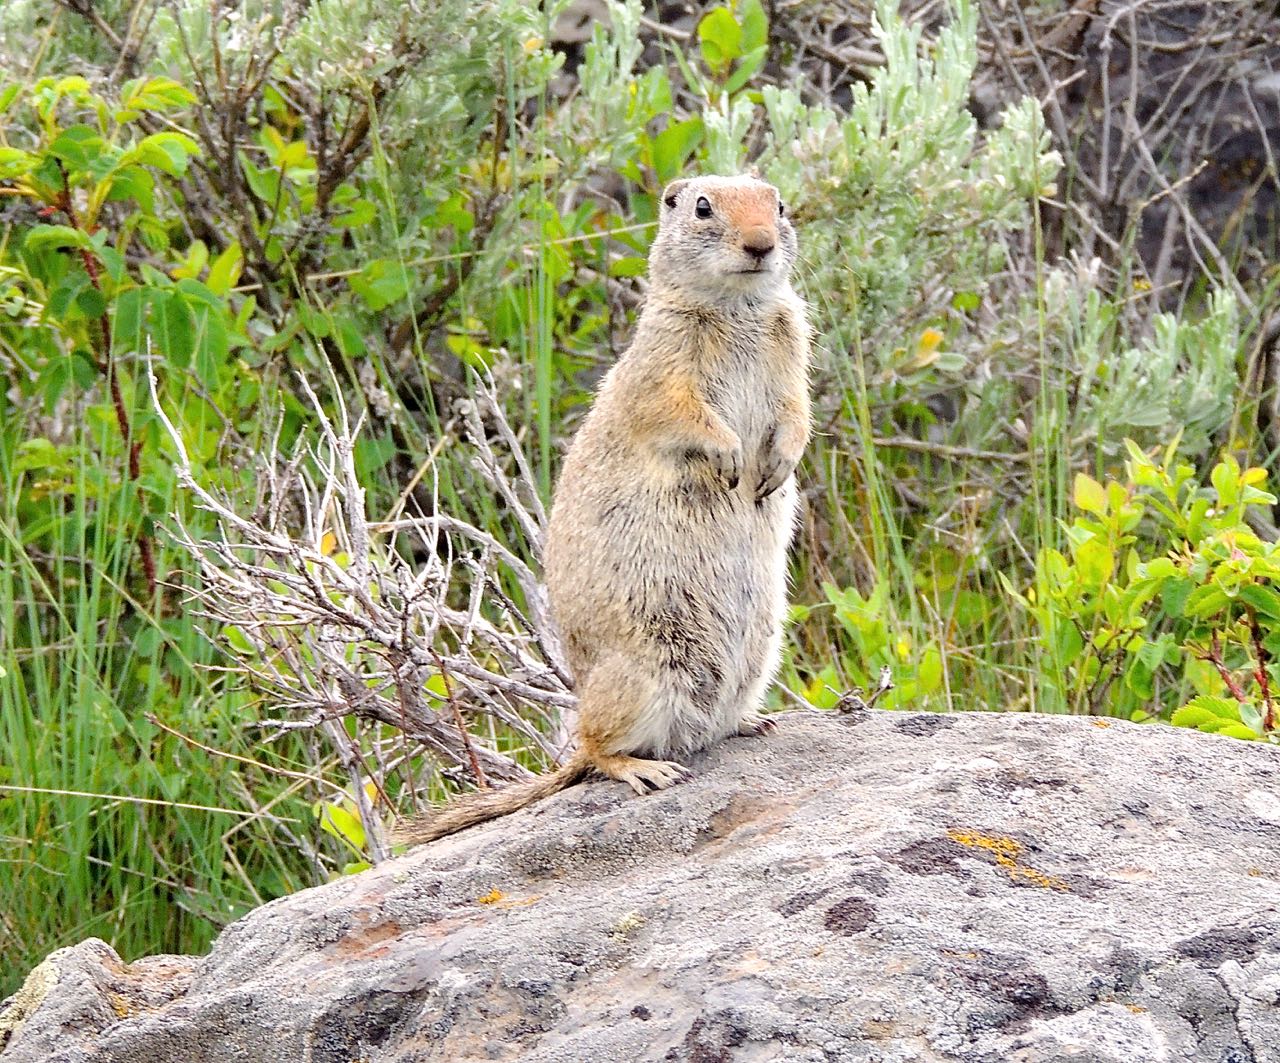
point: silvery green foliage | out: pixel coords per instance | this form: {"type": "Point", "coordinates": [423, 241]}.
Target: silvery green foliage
{"type": "Point", "coordinates": [1181, 379]}
{"type": "Point", "coordinates": [613, 93]}
{"type": "Point", "coordinates": [906, 203]}
{"type": "Point", "coordinates": [727, 126]}
{"type": "Point", "coordinates": [911, 221]}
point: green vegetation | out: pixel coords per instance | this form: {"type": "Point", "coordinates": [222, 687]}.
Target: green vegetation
{"type": "Point", "coordinates": [274, 198]}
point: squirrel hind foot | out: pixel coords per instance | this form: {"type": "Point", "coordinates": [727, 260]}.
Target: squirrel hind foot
{"type": "Point", "coordinates": [643, 776]}
{"type": "Point", "coordinates": [755, 724]}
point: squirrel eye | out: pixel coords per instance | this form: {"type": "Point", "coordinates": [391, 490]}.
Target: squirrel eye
{"type": "Point", "coordinates": [703, 208]}
{"type": "Point", "coordinates": [781, 208]}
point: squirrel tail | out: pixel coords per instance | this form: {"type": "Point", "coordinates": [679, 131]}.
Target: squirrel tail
{"type": "Point", "coordinates": [484, 805]}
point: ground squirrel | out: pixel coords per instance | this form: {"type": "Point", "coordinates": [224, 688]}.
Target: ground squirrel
{"type": "Point", "coordinates": [666, 555]}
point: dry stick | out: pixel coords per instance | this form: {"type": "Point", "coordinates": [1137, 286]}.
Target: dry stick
{"type": "Point", "coordinates": [278, 590]}
{"type": "Point", "coordinates": [452, 702]}
{"type": "Point", "coordinates": [1189, 220]}
{"type": "Point", "coordinates": [153, 719]}
{"type": "Point", "coordinates": [945, 450]}
{"type": "Point", "coordinates": [106, 367]}
{"type": "Point", "coordinates": [853, 701]}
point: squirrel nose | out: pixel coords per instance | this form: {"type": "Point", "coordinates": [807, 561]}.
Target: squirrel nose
{"type": "Point", "coordinates": [758, 243]}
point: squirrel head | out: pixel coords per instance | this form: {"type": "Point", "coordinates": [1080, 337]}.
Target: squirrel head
{"type": "Point", "coordinates": [719, 235]}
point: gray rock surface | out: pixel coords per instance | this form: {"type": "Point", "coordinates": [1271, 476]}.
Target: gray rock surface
{"type": "Point", "coordinates": [881, 887]}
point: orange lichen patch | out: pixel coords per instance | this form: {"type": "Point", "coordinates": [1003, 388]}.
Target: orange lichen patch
{"type": "Point", "coordinates": [1006, 852]}
{"type": "Point", "coordinates": [1100, 723]}
{"type": "Point", "coordinates": [492, 897]}
{"type": "Point", "coordinates": [121, 1005]}
{"type": "Point", "coordinates": [521, 902]}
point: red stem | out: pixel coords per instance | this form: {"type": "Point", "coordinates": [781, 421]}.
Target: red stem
{"type": "Point", "coordinates": [107, 368]}
{"type": "Point", "coordinates": [1215, 658]}
{"type": "Point", "coordinates": [1264, 681]}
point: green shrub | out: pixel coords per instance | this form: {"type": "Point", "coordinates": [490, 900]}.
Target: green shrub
{"type": "Point", "coordinates": [1164, 602]}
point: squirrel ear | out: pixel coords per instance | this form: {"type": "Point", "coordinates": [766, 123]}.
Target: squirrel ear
{"type": "Point", "coordinates": [672, 191]}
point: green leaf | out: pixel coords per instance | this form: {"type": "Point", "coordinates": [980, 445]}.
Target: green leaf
{"type": "Point", "coordinates": [14, 162]}
{"type": "Point", "coordinates": [336, 820]}
{"type": "Point", "coordinates": [171, 327]}
{"type": "Point", "coordinates": [1252, 719]}
{"type": "Point", "coordinates": [91, 302]}
{"type": "Point", "coordinates": [1237, 730]}
{"type": "Point", "coordinates": [225, 270]}
{"type": "Point", "coordinates": [359, 212]}
{"type": "Point", "coordinates": [197, 259]}
{"type": "Point", "coordinates": [629, 266]}
{"type": "Point", "coordinates": [929, 677]}
{"type": "Point", "coordinates": [136, 183]}
{"type": "Point", "coordinates": [1219, 707]}
{"type": "Point", "coordinates": [53, 380]}
{"type": "Point", "coordinates": [84, 371]}
{"type": "Point", "coordinates": [755, 25]}
{"type": "Point", "coordinates": [381, 283]}
{"type": "Point", "coordinates": [1095, 562]}
{"type": "Point", "coordinates": [1226, 481]}
{"type": "Point", "coordinates": [1205, 601]}
{"type": "Point", "coordinates": [265, 184]}
{"type": "Point", "coordinates": [1068, 645]}
{"type": "Point", "coordinates": [1263, 599]}
{"type": "Point", "coordinates": [43, 237]}
{"type": "Point", "coordinates": [155, 94]}
{"type": "Point", "coordinates": [1192, 716]}
{"type": "Point", "coordinates": [673, 146]}
{"type": "Point", "coordinates": [212, 346]}
{"type": "Point", "coordinates": [750, 63]}
{"type": "Point", "coordinates": [114, 261]}
{"type": "Point", "coordinates": [720, 38]}
{"type": "Point", "coordinates": [1089, 495]}
{"type": "Point", "coordinates": [126, 323]}
{"type": "Point", "coordinates": [78, 146]}
{"type": "Point", "coordinates": [63, 296]}
{"type": "Point", "coordinates": [168, 151]}
{"type": "Point", "coordinates": [966, 302]}
{"type": "Point", "coordinates": [452, 212]}
{"type": "Point", "coordinates": [1174, 595]}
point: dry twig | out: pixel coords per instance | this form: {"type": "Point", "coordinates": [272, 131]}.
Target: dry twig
{"type": "Point", "coordinates": [322, 611]}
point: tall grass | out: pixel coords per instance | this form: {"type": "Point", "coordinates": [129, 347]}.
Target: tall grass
{"type": "Point", "coordinates": [111, 826]}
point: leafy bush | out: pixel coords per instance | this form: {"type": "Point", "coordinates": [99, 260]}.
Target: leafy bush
{"type": "Point", "coordinates": [1165, 591]}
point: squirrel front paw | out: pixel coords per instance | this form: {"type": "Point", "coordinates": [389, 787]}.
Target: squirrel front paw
{"type": "Point", "coordinates": [727, 462]}
{"type": "Point", "coordinates": [777, 462]}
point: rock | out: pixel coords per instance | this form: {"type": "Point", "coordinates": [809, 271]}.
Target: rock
{"type": "Point", "coordinates": [885, 887]}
